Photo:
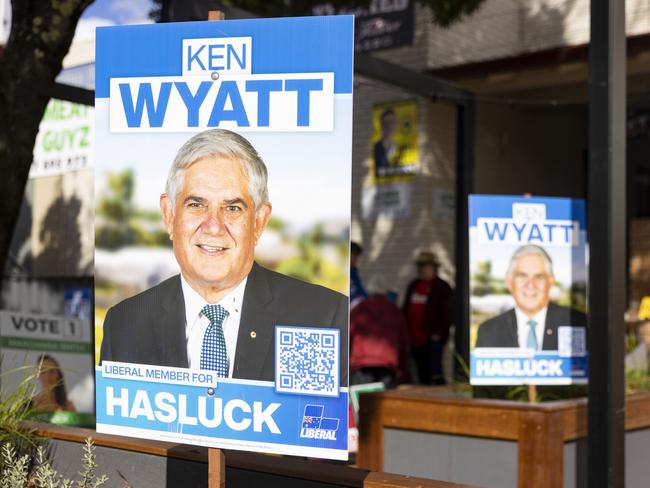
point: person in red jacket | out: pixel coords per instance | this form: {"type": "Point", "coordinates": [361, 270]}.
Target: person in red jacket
{"type": "Point", "coordinates": [428, 311]}
{"type": "Point", "coordinates": [379, 349]}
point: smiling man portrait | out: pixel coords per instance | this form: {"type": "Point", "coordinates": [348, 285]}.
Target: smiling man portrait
{"type": "Point", "coordinates": [534, 320]}
{"type": "Point", "coordinates": [220, 312]}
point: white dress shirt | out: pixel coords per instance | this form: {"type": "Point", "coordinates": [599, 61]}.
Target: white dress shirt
{"type": "Point", "coordinates": [196, 323]}
{"type": "Point", "coordinates": [523, 327]}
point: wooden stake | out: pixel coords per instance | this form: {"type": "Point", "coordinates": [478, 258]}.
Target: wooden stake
{"type": "Point", "coordinates": [216, 15]}
{"type": "Point", "coordinates": [532, 393]}
{"type": "Point", "coordinates": [216, 468]}
{"type": "Point", "coordinates": [216, 459]}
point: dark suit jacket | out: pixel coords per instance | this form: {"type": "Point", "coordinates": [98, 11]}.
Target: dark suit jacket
{"type": "Point", "coordinates": [501, 331]}
{"type": "Point", "coordinates": [149, 328]}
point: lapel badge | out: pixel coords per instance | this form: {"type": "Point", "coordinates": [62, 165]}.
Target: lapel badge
{"type": "Point", "coordinates": [253, 334]}
{"type": "Point", "coordinates": [549, 331]}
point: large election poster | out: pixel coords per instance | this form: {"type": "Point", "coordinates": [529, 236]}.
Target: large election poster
{"type": "Point", "coordinates": [222, 233]}
{"type": "Point", "coordinates": [528, 265]}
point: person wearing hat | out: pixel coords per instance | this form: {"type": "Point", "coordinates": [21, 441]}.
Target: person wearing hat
{"type": "Point", "coordinates": [428, 310]}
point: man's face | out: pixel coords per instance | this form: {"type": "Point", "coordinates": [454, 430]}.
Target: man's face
{"type": "Point", "coordinates": [529, 283]}
{"type": "Point", "coordinates": [214, 226]}
{"type": "Point", "coordinates": [426, 271]}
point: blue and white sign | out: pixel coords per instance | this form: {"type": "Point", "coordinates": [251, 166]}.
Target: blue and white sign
{"type": "Point", "coordinates": [192, 408]}
{"type": "Point", "coordinates": [528, 280]}
{"type": "Point", "coordinates": [78, 303]}
{"type": "Point", "coordinates": [178, 229]}
{"type": "Point", "coordinates": [267, 80]}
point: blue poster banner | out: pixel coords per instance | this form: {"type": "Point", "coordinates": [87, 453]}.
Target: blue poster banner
{"type": "Point", "coordinates": [528, 281]}
{"type": "Point", "coordinates": [139, 401]}
{"type": "Point", "coordinates": [223, 151]}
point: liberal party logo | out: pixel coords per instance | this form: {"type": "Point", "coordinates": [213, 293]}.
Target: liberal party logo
{"type": "Point", "coordinates": [315, 426]}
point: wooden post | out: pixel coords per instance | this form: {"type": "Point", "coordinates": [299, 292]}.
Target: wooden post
{"type": "Point", "coordinates": [216, 458]}
{"type": "Point", "coordinates": [541, 450]}
{"type": "Point", "coordinates": [371, 433]}
{"type": "Point", "coordinates": [216, 468]}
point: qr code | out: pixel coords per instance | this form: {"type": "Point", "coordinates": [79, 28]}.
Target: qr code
{"type": "Point", "coordinates": [307, 361]}
{"type": "Point", "coordinates": [571, 341]}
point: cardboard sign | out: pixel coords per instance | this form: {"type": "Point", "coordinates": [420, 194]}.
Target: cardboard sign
{"type": "Point", "coordinates": [222, 306]}
{"type": "Point", "coordinates": [528, 280]}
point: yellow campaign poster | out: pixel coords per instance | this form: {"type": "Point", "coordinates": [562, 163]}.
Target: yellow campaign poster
{"type": "Point", "coordinates": [395, 155]}
{"type": "Point", "coordinates": [644, 309]}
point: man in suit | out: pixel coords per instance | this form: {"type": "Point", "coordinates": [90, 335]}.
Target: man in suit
{"type": "Point", "coordinates": [534, 321]}
{"type": "Point", "coordinates": [220, 313]}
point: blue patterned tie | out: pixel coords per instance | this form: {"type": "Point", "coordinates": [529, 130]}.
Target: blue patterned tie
{"type": "Point", "coordinates": [214, 356]}
{"type": "Point", "coordinates": [531, 342]}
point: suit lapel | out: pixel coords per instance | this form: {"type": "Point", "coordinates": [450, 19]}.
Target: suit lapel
{"type": "Point", "coordinates": [511, 339]}
{"type": "Point", "coordinates": [170, 325]}
{"type": "Point", "coordinates": [255, 339]}
{"type": "Point", "coordinates": [550, 329]}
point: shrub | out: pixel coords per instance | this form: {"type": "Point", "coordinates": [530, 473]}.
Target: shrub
{"type": "Point", "coordinates": [21, 471]}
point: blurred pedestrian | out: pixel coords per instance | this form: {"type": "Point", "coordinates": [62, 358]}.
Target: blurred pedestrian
{"type": "Point", "coordinates": [357, 291]}
{"type": "Point", "coordinates": [379, 349]}
{"type": "Point", "coordinates": [428, 311]}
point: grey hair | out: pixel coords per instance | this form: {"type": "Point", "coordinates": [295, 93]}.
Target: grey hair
{"type": "Point", "coordinates": [531, 250]}
{"type": "Point", "coordinates": [225, 144]}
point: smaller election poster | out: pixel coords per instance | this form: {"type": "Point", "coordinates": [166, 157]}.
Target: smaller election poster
{"type": "Point", "coordinates": [65, 139]}
{"type": "Point", "coordinates": [56, 351]}
{"type": "Point", "coordinates": [528, 265]}
{"type": "Point", "coordinates": [395, 155]}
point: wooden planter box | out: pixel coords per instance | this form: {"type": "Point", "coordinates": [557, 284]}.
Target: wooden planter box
{"type": "Point", "coordinates": [153, 464]}
{"type": "Point", "coordinates": [433, 432]}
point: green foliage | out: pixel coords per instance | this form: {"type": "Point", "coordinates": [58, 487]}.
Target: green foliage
{"type": "Point", "coordinates": [310, 264]}
{"type": "Point", "coordinates": [276, 224]}
{"type": "Point", "coordinates": [44, 474]}
{"type": "Point", "coordinates": [637, 380]}
{"type": "Point", "coordinates": [15, 468]}
{"type": "Point", "coordinates": [116, 204]}
{"type": "Point", "coordinates": [88, 476]}
{"type": "Point", "coordinates": [482, 279]}
{"type": "Point", "coordinates": [15, 408]}
{"type": "Point", "coordinates": [446, 12]}
{"type": "Point", "coordinates": [115, 210]}
{"type": "Point", "coordinates": [16, 472]}
{"type": "Point", "coordinates": [122, 224]}
{"type": "Point", "coordinates": [520, 393]}
{"type": "Point", "coordinates": [631, 342]}
{"type": "Point", "coordinates": [483, 283]}
{"type": "Point", "coordinates": [576, 297]}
